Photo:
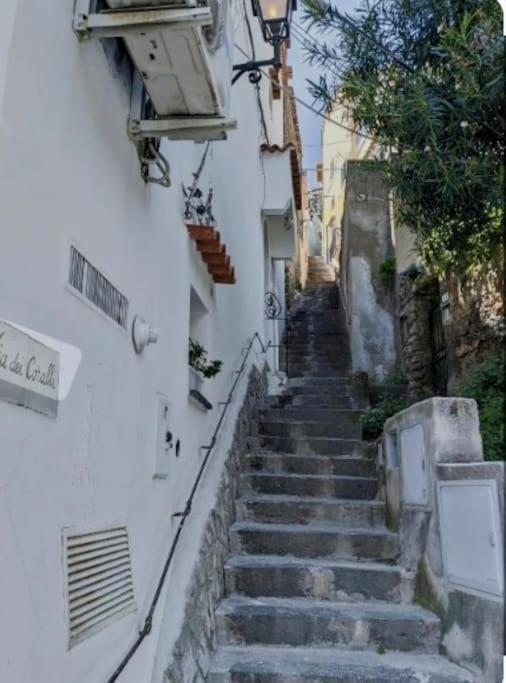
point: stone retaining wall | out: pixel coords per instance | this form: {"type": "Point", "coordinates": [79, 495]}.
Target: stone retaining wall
{"type": "Point", "coordinates": [192, 652]}
{"type": "Point", "coordinates": [415, 304]}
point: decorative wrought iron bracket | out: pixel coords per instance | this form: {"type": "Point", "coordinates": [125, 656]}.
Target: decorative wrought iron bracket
{"type": "Point", "coordinates": [254, 67]}
{"type": "Point", "coordinates": [273, 310]}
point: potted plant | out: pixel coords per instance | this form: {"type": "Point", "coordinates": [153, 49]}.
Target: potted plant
{"type": "Point", "coordinates": [200, 368]}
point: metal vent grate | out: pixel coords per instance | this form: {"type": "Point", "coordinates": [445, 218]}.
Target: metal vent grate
{"type": "Point", "coordinates": [99, 580]}
{"type": "Point", "coordinates": [96, 288]}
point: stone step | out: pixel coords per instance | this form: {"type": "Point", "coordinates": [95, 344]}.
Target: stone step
{"type": "Point", "coordinates": [314, 307]}
{"type": "Point", "coordinates": [314, 540]}
{"type": "Point", "coordinates": [308, 340]}
{"type": "Point", "coordinates": [308, 446]}
{"type": "Point", "coordinates": [308, 509]}
{"type": "Point", "coordinates": [330, 352]}
{"type": "Point", "coordinates": [329, 355]}
{"type": "Point", "coordinates": [288, 577]}
{"type": "Point", "coordinates": [317, 401]}
{"type": "Point", "coordinates": [292, 429]}
{"type": "Point", "coordinates": [319, 485]}
{"type": "Point", "coordinates": [325, 665]}
{"type": "Point", "coordinates": [317, 324]}
{"type": "Point", "coordinates": [329, 369]}
{"type": "Point", "coordinates": [320, 282]}
{"type": "Point", "coordinates": [310, 414]}
{"type": "Point", "coordinates": [302, 622]}
{"type": "Point", "coordinates": [322, 382]}
{"type": "Point", "coordinates": [295, 372]}
{"type": "Point", "coordinates": [309, 336]}
{"type": "Point", "coordinates": [322, 392]}
{"type": "Point", "coordinates": [321, 362]}
{"type": "Point", "coordinates": [323, 359]}
{"type": "Point", "coordinates": [283, 463]}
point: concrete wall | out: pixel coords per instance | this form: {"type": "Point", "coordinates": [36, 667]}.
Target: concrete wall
{"type": "Point", "coordinates": [68, 173]}
{"type": "Point", "coordinates": [449, 450]}
{"type": "Point", "coordinates": [366, 243]}
{"type": "Point", "coordinates": [406, 253]}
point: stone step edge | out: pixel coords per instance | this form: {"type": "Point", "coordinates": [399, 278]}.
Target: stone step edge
{"type": "Point", "coordinates": [313, 500]}
{"type": "Point", "coordinates": [313, 477]}
{"type": "Point", "coordinates": [333, 664]}
{"type": "Point", "coordinates": [367, 609]}
{"type": "Point", "coordinates": [313, 527]}
{"type": "Point", "coordinates": [313, 456]}
{"type": "Point", "coordinates": [252, 561]}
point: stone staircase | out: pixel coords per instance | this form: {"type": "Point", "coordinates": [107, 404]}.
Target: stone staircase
{"type": "Point", "coordinates": [319, 273]}
{"type": "Point", "coordinates": [313, 591]}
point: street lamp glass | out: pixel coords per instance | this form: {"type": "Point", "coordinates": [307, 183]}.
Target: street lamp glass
{"type": "Point", "coordinates": [274, 10]}
{"type": "Point", "coordinates": [274, 17]}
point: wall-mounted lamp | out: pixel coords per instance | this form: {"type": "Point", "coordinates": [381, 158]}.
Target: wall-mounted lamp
{"type": "Point", "coordinates": [274, 17]}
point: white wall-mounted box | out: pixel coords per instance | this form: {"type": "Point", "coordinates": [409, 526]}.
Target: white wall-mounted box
{"type": "Point", "coordinates": [471, 535]}
{"type": "Point", "coordinates": [414, 470]}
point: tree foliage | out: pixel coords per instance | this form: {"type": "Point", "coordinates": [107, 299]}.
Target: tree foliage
{"type": "Point", "coordinates": [373, 419]}
{"type": "Point", "coordinates": [425, 79]}
{"type": "Point", "coordinates": [487, 386]}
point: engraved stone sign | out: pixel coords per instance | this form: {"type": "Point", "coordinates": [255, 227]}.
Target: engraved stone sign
{"type": "Point", "coordinates": [29, 371]}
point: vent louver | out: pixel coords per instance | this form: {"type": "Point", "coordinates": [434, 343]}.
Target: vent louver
{"type": "Point", "coordinates": [99, 585]}
{"type": "Point", "coordinates": [90, 282]}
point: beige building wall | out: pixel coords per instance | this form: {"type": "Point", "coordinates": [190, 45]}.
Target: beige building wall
{"type": "Point", "coordinates": [338, 146]}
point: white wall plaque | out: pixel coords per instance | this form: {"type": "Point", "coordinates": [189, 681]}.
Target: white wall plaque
{"type": "Point", "coordinates": [29, 371]}
{"type": "Point", "coordinates": [471, 535]}
{"type": "Point", "coordinates": [415, 485]}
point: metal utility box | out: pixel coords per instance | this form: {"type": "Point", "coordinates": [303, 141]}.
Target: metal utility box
{"type": "Point", "coordinates": [471, 535]}
{"type": "Point", "coordinates": [414, 470]}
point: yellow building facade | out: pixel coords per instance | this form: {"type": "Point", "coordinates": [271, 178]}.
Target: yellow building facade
{"type": "Point", "coordinates": [341, 142]}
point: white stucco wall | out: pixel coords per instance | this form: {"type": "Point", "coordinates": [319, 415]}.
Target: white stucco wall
{"type": "Point", "coordinates": [68, 173]}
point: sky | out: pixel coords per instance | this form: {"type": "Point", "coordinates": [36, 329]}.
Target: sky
{"type": "Point", "coordinates": [310, 124]}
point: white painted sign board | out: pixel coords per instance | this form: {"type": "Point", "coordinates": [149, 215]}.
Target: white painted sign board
{"type": "Point", "coordinates": [415, 485]}
{"type": "Point", "coordinates": [471, 535]}
{"type": "Point", "coordinates": [29, 371]}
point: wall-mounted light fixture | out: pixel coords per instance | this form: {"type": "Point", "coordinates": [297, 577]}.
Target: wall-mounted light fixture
{"type": "Point", "coordinates": [274, 17]}
{"type": "Point", "coordinates": [142, 334]}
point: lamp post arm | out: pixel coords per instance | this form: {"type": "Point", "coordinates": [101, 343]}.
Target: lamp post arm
{"type": "Point", "coordinates": [255, 66]}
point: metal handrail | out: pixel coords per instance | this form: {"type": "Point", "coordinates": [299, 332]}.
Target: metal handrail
{"type": "Point", "coordinates": [148, 622]}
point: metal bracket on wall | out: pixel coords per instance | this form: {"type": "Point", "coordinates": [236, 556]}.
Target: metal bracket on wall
{"type": "Point", "coordinates": [273, 310]}
{"type": "Point", "coordinates": [146, 129]}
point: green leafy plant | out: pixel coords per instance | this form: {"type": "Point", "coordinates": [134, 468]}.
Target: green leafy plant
{"type": "Point", "coordinates": [388, 272]}
{"type": "Point", "coordinates": [425, 80]}
{"type": "Point", "coordinates": [373, 419]}
{"type": "Point", "coordinates": [487, 385]}
{"type": "Point", "coordinates": [395, 377]}
{"type": "Point", "coordinates": [197, 359]}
